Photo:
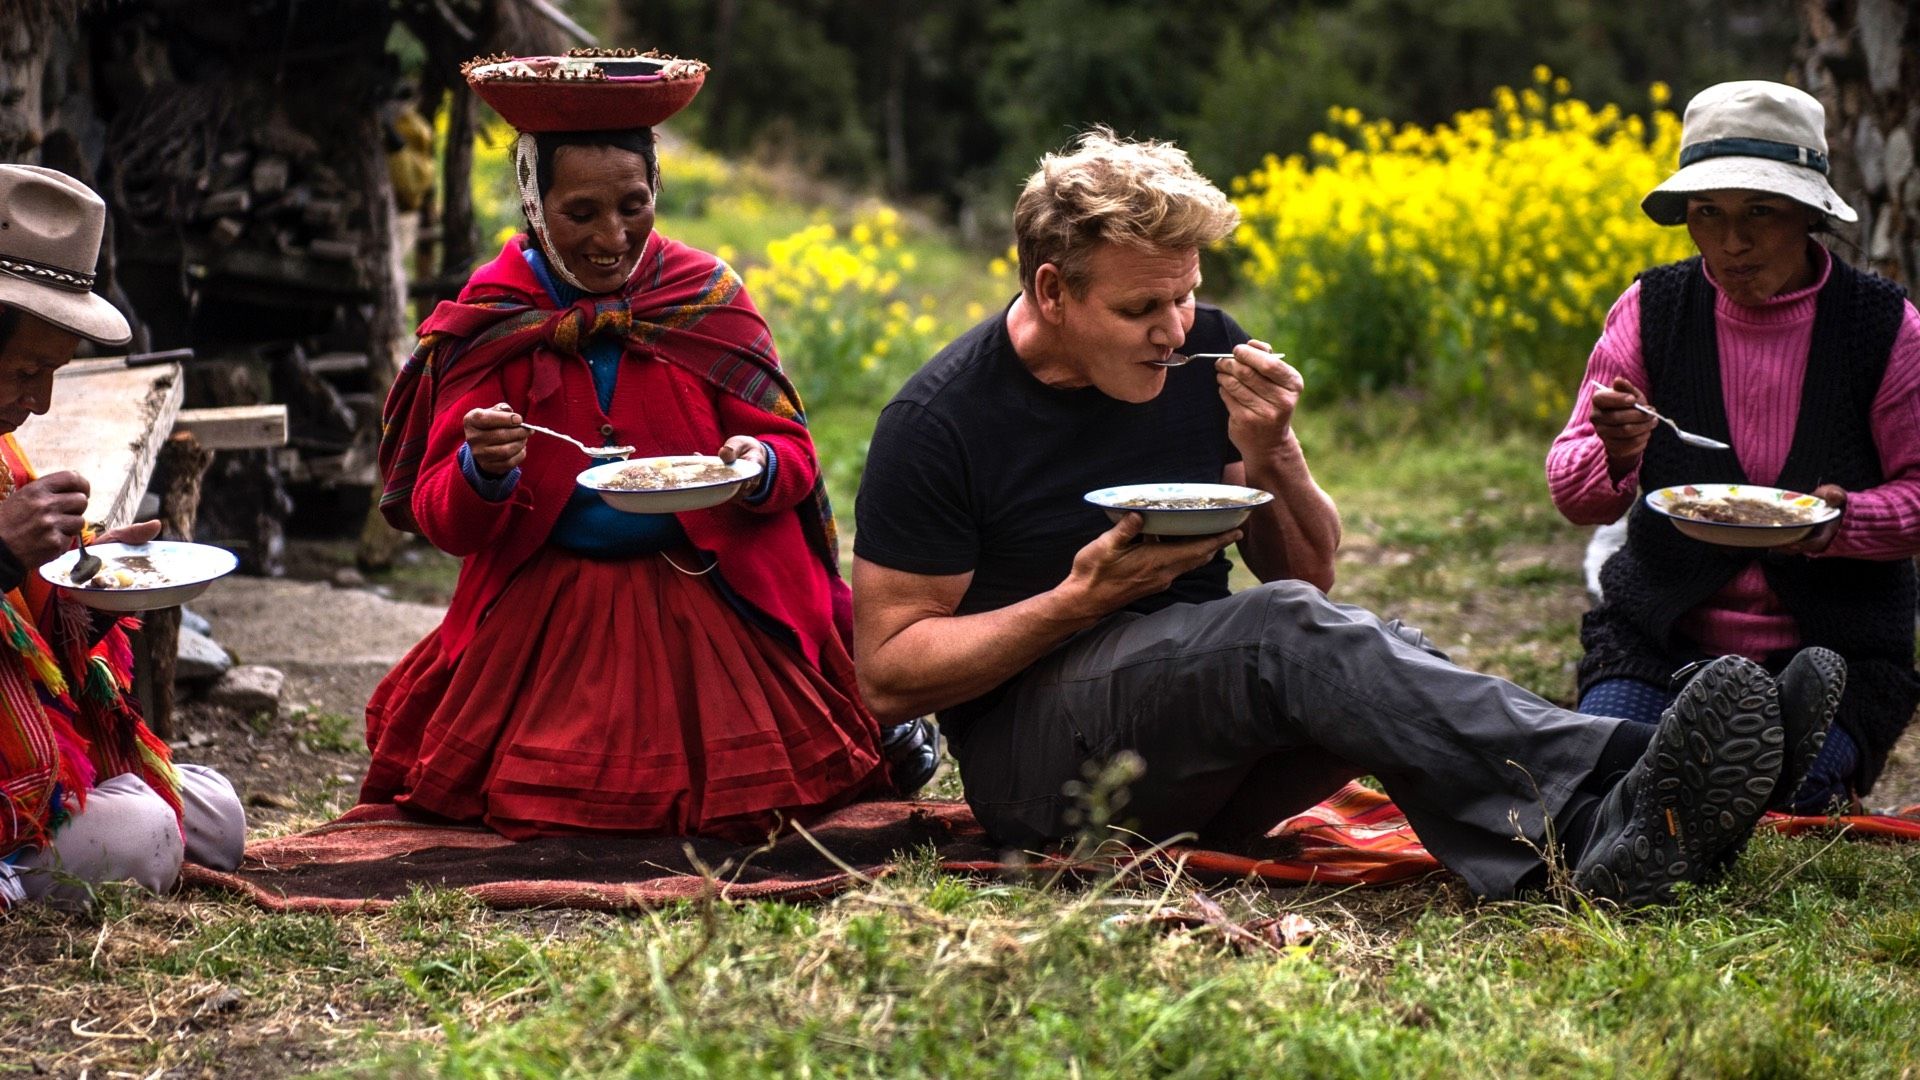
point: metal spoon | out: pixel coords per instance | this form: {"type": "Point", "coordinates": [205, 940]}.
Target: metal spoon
{"type": "Point", "coordinates": [85, 566]}
{"type": "Point", "coordinates": [590, 451]}
{"type": "Point", "coordinates": [1177, 360]}
{"type": "Point", "coordinates": [1687, 437]}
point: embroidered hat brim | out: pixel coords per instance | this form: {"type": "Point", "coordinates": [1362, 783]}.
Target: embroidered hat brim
{"type": "Point", "coordinates": [585, 91]}
{"type": "Point", "coordinates": [1667, 204]}
{"type": "Point", "coordinates": [84, 313]}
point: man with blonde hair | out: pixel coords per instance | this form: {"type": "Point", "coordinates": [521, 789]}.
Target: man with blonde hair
{"type": "Point", "coordinates": [1048, 642]}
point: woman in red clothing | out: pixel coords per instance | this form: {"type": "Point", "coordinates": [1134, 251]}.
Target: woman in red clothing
{"type": "Point", "coordinates": [1809, 369]}
{"type": "Point", "coordinates": [600, 671]}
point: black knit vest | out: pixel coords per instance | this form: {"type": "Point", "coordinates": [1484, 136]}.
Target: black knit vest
{"type": "Point", "coordinates": [1864, 610]}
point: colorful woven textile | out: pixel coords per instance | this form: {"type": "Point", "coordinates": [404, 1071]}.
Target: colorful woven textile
{"type": "Point", "coordinates": [687, 306]}
{"type": "Point", "coordinates": [65, 715]}
{"type": "Point", "coordinates": [373, 855]}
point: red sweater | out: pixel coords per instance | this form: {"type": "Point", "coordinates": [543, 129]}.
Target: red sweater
{"type": "Point", "coordinates": [660, 408]}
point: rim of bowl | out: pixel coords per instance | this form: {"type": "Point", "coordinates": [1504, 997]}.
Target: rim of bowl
{"type": "Point", "coordinates": [752, 467]}
{"type": "Point", "coordinates": [1257, 497]}
{"type": "Point", "coordinates": [1828, 510]}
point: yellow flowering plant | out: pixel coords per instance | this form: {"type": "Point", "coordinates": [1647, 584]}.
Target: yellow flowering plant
{"type": "Point", "coordinates": [1473, 262]}
{"type": "Point", "coordinates": [847, 323]}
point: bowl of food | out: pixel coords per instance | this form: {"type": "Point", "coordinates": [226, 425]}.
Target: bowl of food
{"type": "Point", "coordinates": [668, 485]}
{"type": "Point", "coordinates": [143, 577]}
{"type": "Point", "coordinates": [1741, 515]}
{"type": "Point", "coordinates": [1181, 509]}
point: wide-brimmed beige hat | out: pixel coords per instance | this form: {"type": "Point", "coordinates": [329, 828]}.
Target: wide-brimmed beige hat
{"type": "Point", "coordinates": [1750, 136]}
{"type": "Point", "coordinates": [50, 228]}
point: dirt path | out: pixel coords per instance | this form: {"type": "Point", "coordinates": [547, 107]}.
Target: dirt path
{"type": "Point", "coordinates": [334, 644]}
{"type": "Point", "coordinates": [304, 766]}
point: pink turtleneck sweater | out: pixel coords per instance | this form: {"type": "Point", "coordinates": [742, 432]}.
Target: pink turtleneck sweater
{"type": "Point", "coordinates": [1763, 360]}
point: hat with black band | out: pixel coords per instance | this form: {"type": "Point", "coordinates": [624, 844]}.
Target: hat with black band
{"type": "Point", "coordinates": [1751, 135]}
{"type": "Point", "coordinates": [50, 230]}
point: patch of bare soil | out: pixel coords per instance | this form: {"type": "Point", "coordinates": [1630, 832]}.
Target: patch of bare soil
{"type": "Point", "coordinates": [1899, 785]}
{"type": "Point", "coordinates": [304, 765]}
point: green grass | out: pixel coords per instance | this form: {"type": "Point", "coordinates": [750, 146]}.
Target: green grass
{"type": "Point", "coordinates": [426, 579]}
{"type": "Point", "coordinates": [327, 732]}
{"type": "Point", "coordinates": [1453, 533]}
{"type": "Point", "coordinates": [1801, 965]}
{"type": "Point", "coordinates": [745, 236]}
{"type": "Point", "coordinates": [1806, 962]}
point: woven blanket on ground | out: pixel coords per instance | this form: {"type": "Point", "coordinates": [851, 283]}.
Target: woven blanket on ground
{"type": "Point", "coordinates": [373, 855]}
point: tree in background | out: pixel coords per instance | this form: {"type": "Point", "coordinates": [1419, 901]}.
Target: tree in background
{"type": "Point", "coordinates": [954, 99]}
{"type": "Point", "coordinates": [1861, 58]}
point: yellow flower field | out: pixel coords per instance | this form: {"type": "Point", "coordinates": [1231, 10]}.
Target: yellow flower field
{"type": "Point", "coordinates": [1473, 262]}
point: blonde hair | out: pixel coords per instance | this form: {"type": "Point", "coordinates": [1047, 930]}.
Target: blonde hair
{"type": "Point", "coordinates": [1105, 189]}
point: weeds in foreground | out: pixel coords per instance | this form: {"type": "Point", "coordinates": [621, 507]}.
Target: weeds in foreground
{"type": "Point", "coordinates": [1805, 963]}
{"type": "Point", "coordinates": [1769, 974]}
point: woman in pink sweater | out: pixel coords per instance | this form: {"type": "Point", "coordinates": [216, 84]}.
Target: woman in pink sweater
{"type": "Point", "coordinates": [1811, 370]}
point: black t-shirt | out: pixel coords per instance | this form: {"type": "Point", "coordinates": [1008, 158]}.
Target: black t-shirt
{"type": "Point", "coordinates": [977, 466]}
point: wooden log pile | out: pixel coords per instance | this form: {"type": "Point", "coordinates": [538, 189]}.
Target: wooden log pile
{"type": "Point", "coordinates": [264, 203]}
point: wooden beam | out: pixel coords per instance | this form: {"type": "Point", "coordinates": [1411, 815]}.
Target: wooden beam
{"type": "Point", "coordinates": [236, 427]}
{"type": "Point", "coordinates": [177, 473]}
{"type": "Point", "coordinates": [456, 199]}
{"type": "Point", "coordinates": [559, 18]}
{"type": "Point", "coordinates": [108, 428]}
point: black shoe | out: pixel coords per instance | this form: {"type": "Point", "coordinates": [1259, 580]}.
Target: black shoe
{"type": "Point", "coordinates": [1697, 792]}
{"type": "Point", "coordinates": [1810, 690]}
{"type": "Point", "coordinates": [913, 754]}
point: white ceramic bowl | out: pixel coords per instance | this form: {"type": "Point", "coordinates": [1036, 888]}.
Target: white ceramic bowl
{"type": "Point", "coordinates": [668, 500]}
{"type": "Point", "coordinates": [1180, 521]}
{"type": "Point", "coordinates": [1815, 512]}
{"type": "Point", "coordinates": [188, 568]}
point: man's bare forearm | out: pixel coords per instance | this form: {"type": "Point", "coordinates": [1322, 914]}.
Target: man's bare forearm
{"type": "Point", "coordinates": [940, 661]}
{"type": "Point", "coordinates": [1297, 534]}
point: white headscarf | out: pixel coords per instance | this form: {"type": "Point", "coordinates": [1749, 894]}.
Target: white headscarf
{"type": "Point", "coordinates": [526, 170]}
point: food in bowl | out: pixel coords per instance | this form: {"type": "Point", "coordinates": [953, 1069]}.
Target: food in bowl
{"type": "Point", "coordinates": [1741, 515]}
{"type": "Point", "coordinates": [668, 475]}
{"type": "Point", "coordinates": [142, 577]}
{"type": "Point", "coordinates": [127, 572]}
{"type": "Point", "coordinates": [669, 485]}
{"type": "Point", "coordinates": [1180, 509]}
{"type": "Point", "coordinates": [1183, 503]}
{"type": "Point", "coordinates": [1742, 510]}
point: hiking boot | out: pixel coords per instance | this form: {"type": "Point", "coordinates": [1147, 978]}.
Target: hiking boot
{"type": "Point", "coordinates": [912, 750]}
{"type": "Point", "coordinates": [1696, 793]}
{"type": "Point", "coordinates": [1810, 690]}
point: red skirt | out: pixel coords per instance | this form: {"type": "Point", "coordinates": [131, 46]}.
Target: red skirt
{"type": "Point", "coordinates": [620, 697]}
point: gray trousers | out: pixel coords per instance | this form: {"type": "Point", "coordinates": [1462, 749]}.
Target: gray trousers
{"type": "Point", "coordinates": [1255, 707]}
{"type": "Point", "coordinates": [127, 832]}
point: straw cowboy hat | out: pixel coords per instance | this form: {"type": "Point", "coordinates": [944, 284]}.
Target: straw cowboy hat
{"type": "Point", "coordinates": [1750, 136]}
{"type": "Point", "coordinates": [50, 227]}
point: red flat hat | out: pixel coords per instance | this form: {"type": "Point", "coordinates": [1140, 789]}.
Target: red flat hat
{"type": "Point", "coordinates": [585, 90]}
